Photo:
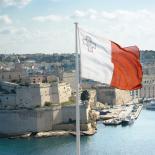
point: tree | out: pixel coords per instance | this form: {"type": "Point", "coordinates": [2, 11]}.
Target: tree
{"type": "Point", "coordinates": [85, 96]}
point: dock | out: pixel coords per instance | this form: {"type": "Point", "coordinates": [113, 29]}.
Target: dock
{"type": "Point", "coordinates": [137, 113]}
{"type": "Point", "coordinates": [119, 114]}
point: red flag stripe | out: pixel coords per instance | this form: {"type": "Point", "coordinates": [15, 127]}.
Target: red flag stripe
{"type": "Point", "coordinates": [127, 72]}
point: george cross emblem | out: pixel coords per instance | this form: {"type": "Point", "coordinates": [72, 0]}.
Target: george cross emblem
{"type": "Point", "coordinates": [89, 43]}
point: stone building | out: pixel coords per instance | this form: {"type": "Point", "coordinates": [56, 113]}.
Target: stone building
{"type": "Point", "coordinates": [25, 121]}
{"type": "Point", "coordinates": [148, 79]}
{"type": "Point", "coordinates": [14, 74]}
{"type": "Point", "coordinates": [10, 75]}
{"type": "Point", "coordinates": [40, 79]}
{"type": "Point", "coordinates": [149, 69]}
{"type": "Point", "coordinates": [56, 117]}
{"type": "Point", "coordinates": [93, 99]}
{"type": "Point", "coordinates": [112, 96]}
{"type": "Point", "coordinates": [33, 95]}
{"type": "Point", "coordinates": [52, 78]}
{"type": "Point", "coordinates": [61, 92]}
{"type": "Point", "coordinates": [37, 79]}
{"type": "Point", "coordinates": [69, 77]}
{"type": "Point", "coordinates": [148, 88]}
{"type": "Point", "coordinates": [147, 91]}
{"type": "Point", "coordinates": [88, 84]}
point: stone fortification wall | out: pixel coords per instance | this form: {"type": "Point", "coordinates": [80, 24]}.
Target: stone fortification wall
{"type": "Point", "coordinates": [22, 121]}
{"type": "Point", "coordinates": [69, 114]}
{"type": "Point", "coordinates": [16, 122]}
{"type": "Point", "coordinates": [106, 95]}
{"type": "Point", "coordinates": [122, 96]}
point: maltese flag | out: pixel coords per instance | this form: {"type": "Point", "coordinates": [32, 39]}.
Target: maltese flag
{"type": "Point", "coordinates": [107, 62]}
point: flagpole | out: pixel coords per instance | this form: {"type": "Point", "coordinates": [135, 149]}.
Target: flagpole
{"type": "Point", "coordinates": [77, 93]}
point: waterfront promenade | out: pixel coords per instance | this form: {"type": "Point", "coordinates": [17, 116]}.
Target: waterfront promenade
{"type": "Point", "coordinates": [129, 140]}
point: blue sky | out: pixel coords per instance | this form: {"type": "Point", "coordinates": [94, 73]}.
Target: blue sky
{"type": "Point", "coordinates": [33, 26]}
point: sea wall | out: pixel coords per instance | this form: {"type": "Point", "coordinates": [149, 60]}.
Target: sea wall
{"type": "Point", "coordinates": [22, 121]}
{"type": "Point", "coordinates": [16, 122]}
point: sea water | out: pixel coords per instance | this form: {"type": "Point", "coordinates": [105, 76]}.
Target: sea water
{"type": "Point", "coordinates": [137, 139]}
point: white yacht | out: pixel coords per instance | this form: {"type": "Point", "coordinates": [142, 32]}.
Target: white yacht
{"type": "Point", "coordinates": [151, 105]}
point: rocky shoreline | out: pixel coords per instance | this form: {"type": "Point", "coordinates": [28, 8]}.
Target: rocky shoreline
{"type": "Point", "coordinates": [49, 134]}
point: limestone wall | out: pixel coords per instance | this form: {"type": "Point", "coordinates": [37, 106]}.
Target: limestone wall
{"type": "Point", "coordinates": [113, 96]}
{"type": "Point", "coordinates": [69, 113]}
{"type": "Point", "coordinates": [33, 96]}
{"type": "Point", "coordinates": [22, 121]}
{"type": "Point", "coordinates": [16, 122]}
{"type": "Point", "coordinates": [122, 96]}
{"type": "Point", "coordinates": [28, 97]}
{"type": "Point", "coordinates": [10, 75]}
{"type": "Point", "coordinates": [61, 92]}
{"type": "Point", "coordinates": [69, 77]}
{"type": "Point", "coordinates": [7, 100]}
{"type": "Point", "coordinates": [147, 91]}
{"type": "Point", "coordinates": [106, 95]}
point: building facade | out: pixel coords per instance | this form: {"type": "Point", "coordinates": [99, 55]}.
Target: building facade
{"type": "Point", "coordinates": [33, 95]}
{"type": "Point", "coordinates": [69, 77]}
{"type": "Point", "coordinates": [112, 96]}
{"type": "Point", "coordinates": [148, 88]}
{"type": "Point", "coordinates": [61, 92]}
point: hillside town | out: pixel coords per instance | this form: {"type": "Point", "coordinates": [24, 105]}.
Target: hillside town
{"type": "Point", "coordinates": [37, 94]}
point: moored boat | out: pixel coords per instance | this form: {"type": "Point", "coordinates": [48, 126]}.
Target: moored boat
{"type": "Point", "coordinates": [127, 121]}
{"type": "Point", "coordinates": [151, 105]}
{"type": "Point", "coordinates": [112, 122]}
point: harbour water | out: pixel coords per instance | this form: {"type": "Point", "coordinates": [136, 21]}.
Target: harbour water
{"type": "Point", "coordinates": [139, 138]}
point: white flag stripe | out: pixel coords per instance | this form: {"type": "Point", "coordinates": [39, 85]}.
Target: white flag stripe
{"type": "Point", "coordinates": [95, 58]}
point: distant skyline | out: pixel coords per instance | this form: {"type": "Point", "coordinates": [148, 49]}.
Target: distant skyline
{"type": "Point", "coordinates": [47, 26]}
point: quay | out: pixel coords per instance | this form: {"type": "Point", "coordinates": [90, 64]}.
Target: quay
{"type": "Point", "coordinates": [118, 114]}
{"type": "Point", "coordinates": [137, 112]}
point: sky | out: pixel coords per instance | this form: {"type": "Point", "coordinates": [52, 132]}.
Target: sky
{"type": "Point", "coordinates": [47, 26]}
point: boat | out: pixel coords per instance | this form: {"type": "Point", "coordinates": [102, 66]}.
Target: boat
{"type": "Point", "coordinates": [112, 122]}
{"type": "Point", "coordinates": [151, 105]}
{"type": "Point", "coordinates": [127, 121]}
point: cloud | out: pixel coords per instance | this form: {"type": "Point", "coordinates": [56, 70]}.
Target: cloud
{"type": "Point", "coordinates": [89, 14]}
{"type": "Point", "coordinates": [5, 19]}
{"type": "Point", "coordinates": [16, 3]}
{"type": "Point", "coordinates": [77, 14]}
{"type": "Point", "coordinates": [122, 26]}
{"type": "Point", "coordinates": [52, 17]}
{"type": "Point", "coordinates": [111, 15]}
{"type": "Point", "coordinates": [14, 31]}
{"type": "Point", "coordinates": [6, 31]}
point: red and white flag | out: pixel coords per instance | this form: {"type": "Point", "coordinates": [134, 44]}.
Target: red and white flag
{"type": "Point", "coordinates": [107, 62]}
